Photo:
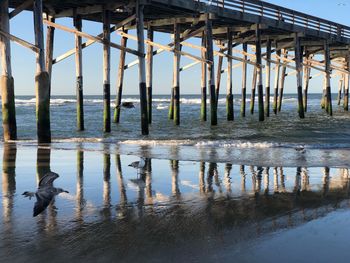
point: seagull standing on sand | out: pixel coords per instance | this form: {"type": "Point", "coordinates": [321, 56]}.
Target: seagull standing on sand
{"type": "Point", "coordinates": [139, 164]}
{"type": "Point", "coordinates": [45, 193]}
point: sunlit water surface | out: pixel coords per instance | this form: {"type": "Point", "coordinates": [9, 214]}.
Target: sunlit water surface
{"type": "Point", "coordinates": [170, 211]}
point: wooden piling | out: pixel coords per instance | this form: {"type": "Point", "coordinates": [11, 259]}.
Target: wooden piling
{"type": "Point", "coordinates": [176, 75]}
{"type": "Point", "coordinates": [340, 88]}
{"type": "Point", "coordinates": [106, 72]}
{"type": "Point", "coordinates": [277, 79]}
{"type": "Point", "coordinates": [307, 72]}
{"type": "Point", "coordinates": [204, 81]}
{"type": "Point", "coordinates": [42, 78]}
{"type": "Point", "coordinates": [299, 68]}
{"type": "Point", "coordinates": [142, 68]}
{"type": "Point", "coordinates": [244, 80]}
{"type": "Point", "coordinates": [171, 106]}
{"type": "Point", "coordinates": [346, 87]}
{"type": "Point", "coordinates": [229, 96]}
{"type": "Point", "coordinates": [259, 74]}
{"type": "Point", "coordinates": [327, 60]}
{"type": "Point", "coordinates": [149, 73]}
{"type": "Point", "coordinates": [268, 78]}
{"type": "Point", "coordinates": [211, 74]}
{"type": "Point", "coordinates": [50, 37]}
{"type": "Point", "coordinates": [7, 82]}
{"type": "Point", "coordinates": [219, 74]}
{"type": "Point", "coordinates": [252, 95]}
{"type": "Point", "coordinates": [79, 74]}
{"type": "Point", "coordinates": [282, 81]}
{"type": "Point", "coordinates": [120, 79]}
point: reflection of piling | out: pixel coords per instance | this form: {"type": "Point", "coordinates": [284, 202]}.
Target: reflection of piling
{"type": "Point", "coordinates": [266, 180]}
{"type": "Point", "coordinates": [326, 180]}
{"type": "Point", "coordinates": [201, 177]}
{"type": "Point", "coordinates": [122, 190]}
{"type": "Point", "coordinates": [43, 161]}
{"type": "Point", "coordinates": [8, 179]}
{"type": "Point", "coordinates": [175, 178]}
{"type": "Point", "coordinates": [305, 181]}
{"type": "Point", "coordinates": [107, 180]}
{"type": "Point", "coordinates": [283, 180]}
{"type": "Point", "coordinates": [210, 176]}
{"type": "Point", "coordinates": [80, 183]}
{"type": "Point", "coordinates": [228, 168]}
{"type": "Point", "coordinates": [297, 180]}
{"type": "Point", "coordinates": [243, 177]}
{"type": "Point", "coordinates": [149, 180]}
{"type": "Point", "coordinates": [275, 180]}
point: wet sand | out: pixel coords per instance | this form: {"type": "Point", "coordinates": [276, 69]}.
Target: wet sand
{"type": "Point", "coordinates": [172, 211]}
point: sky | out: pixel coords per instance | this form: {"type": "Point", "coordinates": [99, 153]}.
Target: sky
{"type": "Point", "coordinates": [63, 78]}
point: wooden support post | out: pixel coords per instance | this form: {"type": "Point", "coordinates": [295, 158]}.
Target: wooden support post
{"type": "Point", "coordinates": [268, 78]}
{"type": "Point", "coordinates": [176, 75]}
{"type": "Point", "coordinates": [106, 72]}
{"type": "Point", "coordinates": [327, 59]}
{"type": "Point", "coordinates": [120, 79]}
{"type": "Point", "coordinates": [299, 68]}
{"type": "Point", "coordinates": [218, 75]}
{"type": "Point", "coordinates": [204, 81]}
{"type": "Point", "coordinates": [346, 88]}
{"type": "Point", "coordinates": [340, 87]}
{"type": "Point", "coordinates": [79, 74]}
{"type": "Point", "coordinates": [244, 80]}
{"type": "Point", "coordinates": [282, 80]}
{"type": "Point", "coordinates": [6, 81]}
{"type": "Point", "coordinates": [252, 95]}
{"type": "Point", "coordinates": [229, 96]}
{"type": "Point", "coordinates": [211, 74]}
{"type": "Point", "coordinates": [277, 79]}
{"type": "Point", "coordinates": [323, 99]}
{"type": "Point", "coordinates": [50, 36]}
{"type": "Point", "coordinates": [307, 72]}
{"type": "Point", "coordinates": [149, 73]}
{"type": "Point", "coordinates": [259, 73]}
{"type": "Point", "coordinates": [171, 106]}
{"type": "Point", "coordinates": [142, 68]}
{"type": "Point", "coordinates": [42, 78]}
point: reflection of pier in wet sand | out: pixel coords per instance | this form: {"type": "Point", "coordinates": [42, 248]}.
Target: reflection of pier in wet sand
{"type": "Point", "coordinates": [202, 199]}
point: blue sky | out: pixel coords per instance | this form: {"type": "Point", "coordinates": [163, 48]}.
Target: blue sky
{"type": "Point", "coordinates": [63, 80]}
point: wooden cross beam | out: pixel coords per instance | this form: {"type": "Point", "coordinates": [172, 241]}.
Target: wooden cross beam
{"type": "Point", "coordinates": [20, 41]}
{"type": "Point", "coordinates": [184, 36]}
{"type": "Point", "coordinates": [20, 8]}
{"type": "Point", "coordinates": [166, 48]}
{"type": "Point", "coordinates": [92, 41]}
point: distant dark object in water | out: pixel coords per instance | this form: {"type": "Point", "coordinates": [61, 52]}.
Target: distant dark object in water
{"type": "Point", "coordinates": [128, 105]}
{"type": "Point", "coordinates": [45, 193]}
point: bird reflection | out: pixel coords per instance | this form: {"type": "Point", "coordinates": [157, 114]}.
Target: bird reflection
{"type": "Point", "coordinates": [45, 194]}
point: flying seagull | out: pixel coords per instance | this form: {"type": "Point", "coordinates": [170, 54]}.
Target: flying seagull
{"type": "Point", "coordinates": [45, 193]}
{"type": "Point", "coordinates": [139, 164]}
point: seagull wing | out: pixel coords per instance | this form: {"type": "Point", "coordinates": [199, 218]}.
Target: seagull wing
{"type": "Point", "coordinates": [48, 179]}
{"type": "Point", "coordinates": [42, 202]}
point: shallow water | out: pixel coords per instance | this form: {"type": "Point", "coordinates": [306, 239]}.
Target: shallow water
{"type": "Point", "coordinates": [172, 211]}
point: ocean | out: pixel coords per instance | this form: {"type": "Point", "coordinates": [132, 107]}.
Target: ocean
{"type": "Point", "coordinates": [243, 141]}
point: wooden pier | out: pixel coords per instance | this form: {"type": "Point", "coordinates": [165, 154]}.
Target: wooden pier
{"type": "Point", "coordinates": [270, 35]}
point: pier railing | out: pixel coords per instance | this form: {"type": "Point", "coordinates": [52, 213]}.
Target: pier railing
{"type": "Point", "coordinates": [286, 15]}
